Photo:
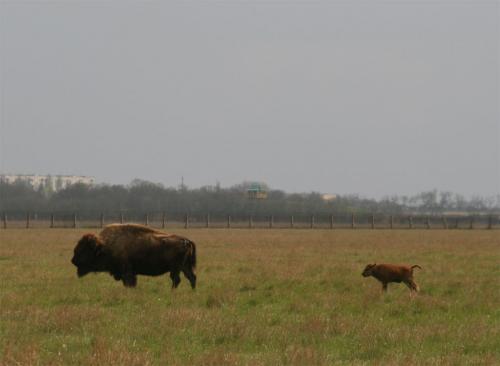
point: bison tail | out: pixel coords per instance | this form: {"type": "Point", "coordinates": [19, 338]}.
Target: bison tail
{"type": "Point", "coordinates": [191, 254]}
{"type": "Point", "coordinates": [416, 266]}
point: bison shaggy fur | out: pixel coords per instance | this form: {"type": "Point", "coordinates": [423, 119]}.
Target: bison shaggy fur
{"type": "Point", "coordinates": [387, 273]}
{"type": "Point", "coordinates": [128, 250]}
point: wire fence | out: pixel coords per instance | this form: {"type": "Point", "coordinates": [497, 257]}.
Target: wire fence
{"type": "Point", "coordinates": [164, 220]}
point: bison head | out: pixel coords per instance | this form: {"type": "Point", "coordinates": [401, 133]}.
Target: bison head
{"type": "Point", "coordinates": [368, 270]}
{"type": "Point", "coordinates": [85, 254]}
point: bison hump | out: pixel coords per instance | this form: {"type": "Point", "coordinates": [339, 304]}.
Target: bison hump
{"type": "Point", "coordinates": [113, 231]}
{"type": "Point", "coordinates": [170, 238]}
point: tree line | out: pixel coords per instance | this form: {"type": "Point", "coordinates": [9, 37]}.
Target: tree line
{"type": "Point", "coordinates": [143, 196]}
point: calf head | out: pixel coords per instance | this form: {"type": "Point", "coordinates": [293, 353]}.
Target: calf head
{"type": "Point", "coordinates": [86, 254]}
{"type": "Point", "coordinates": [368, 271]}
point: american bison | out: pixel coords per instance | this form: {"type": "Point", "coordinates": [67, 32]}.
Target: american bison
{"type": "Point", "coordinates": [128, 250]}
{"type": "Point", "coordinates": [386, 273]}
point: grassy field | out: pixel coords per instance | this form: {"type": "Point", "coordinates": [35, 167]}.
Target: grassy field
{"type": "Point", "coordinates": [264, 297]}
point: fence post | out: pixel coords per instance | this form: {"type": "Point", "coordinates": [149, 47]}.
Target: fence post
{"type": "Point", "coordinates": [331, 221]}
{"type": "Point", "coordinates": [373, 221]}
{"type": "Point", "coordinates": [74, 221]}
{"type": "Point", "coordinates": [456, 223]}
{"type": "Point", "coordinates": [427, 222]}
{"type": "Point", "coordinates": [186, 222]}
{"type": "Point", "coordinates": [271, 219]}
{"type": "Point", "coordinates": [352, 221]}
{"type": "Point", "coordinates": [121, 217]}
{"type": "Point", "coordinates": [471, 225]}
{"type": "Point", "coordinates": [146, 220]}
{"type": "Point", "coordinates": [490, 222]}
{"type": "Point", "coordinates": [228, 221]}
{"type": "Point", "coordinates": [207, 222]}
{"type": "Point", "coordinates": [410, 222]}
{"type": "Point", "coordinates": [292, 223]}
{"type": "Point", "coordinates": [163, 220]}
{"type": "Point", "coordinates": [51, 220]}
{"type": "Point", "coordinates": [28, 220]}
{"type": "Point", "coordinates": [102, 220]}
{"type": "Point", "coordinates": [312, 221]}
{"type": "Point", "coordinates": [4, 220]}
{"type": "Point", "coordinates": [445, 222]}
{"type": "Point", "coordinates": [250, 222]}
{"type": "Point", "coordinates": [391, 221]}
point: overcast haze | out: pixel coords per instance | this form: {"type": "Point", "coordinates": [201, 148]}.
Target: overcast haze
{"type": "Point", "coordinates": [374, 98]}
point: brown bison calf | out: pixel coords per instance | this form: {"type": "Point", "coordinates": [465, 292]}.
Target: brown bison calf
{"type": "Point", "coordinates": [386, 273]}
{"type": "Point", "coordinates": [127, 250]}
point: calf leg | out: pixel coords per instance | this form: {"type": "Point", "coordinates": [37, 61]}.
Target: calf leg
{"type": "Point", "coordinates": [411, 285]}
{"type": "Point", "coordinates": [188, 272]}
{"type": "Point", "coordinates": [174, 275]}
{"type": "Point", "coordinates": [414, 286]}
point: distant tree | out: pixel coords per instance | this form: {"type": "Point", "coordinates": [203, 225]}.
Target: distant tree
{"type": "Point", "coordinates": [59, 183]}
{"type": "Point", "coordinates": [460, 202]}
{"type": "Point", "coordinates": [446, 201]}
{"type": "Point", "coordinates": [428, 201]}
{"type": "Point", "coordinates": [48, 186]}
{"type": "Point", "coordinates": [142, 196]}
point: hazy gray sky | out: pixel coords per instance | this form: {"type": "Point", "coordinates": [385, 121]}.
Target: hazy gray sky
{"type": "Point", "coordinates": [334, 96]}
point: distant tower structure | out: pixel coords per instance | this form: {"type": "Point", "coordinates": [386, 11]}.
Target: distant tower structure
{"type": "Point", "coordinates": [256, 191]}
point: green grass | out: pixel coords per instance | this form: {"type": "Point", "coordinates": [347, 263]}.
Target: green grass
{"type": "Point", "coordinates": [264, 297]}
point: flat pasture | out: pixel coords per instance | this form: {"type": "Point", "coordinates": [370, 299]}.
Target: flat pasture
{"type": "Point", "coordinates": [264, 297]}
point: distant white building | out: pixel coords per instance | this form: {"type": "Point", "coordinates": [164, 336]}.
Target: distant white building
{"type": "Point", "coordinates": [56, 182]}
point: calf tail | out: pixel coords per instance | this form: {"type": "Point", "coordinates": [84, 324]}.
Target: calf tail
{"type": "Point", "coordinates": [416, 266]}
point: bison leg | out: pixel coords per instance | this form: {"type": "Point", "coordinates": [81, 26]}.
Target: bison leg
{"type": "Point", "coordinates": [384, 286]}
{"type": "Point", "coordinates": [129, 279]}
{"type": "Point", "coordinates": [174, 275]}
{"type": "Point", "coordinates": [188, 272]}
